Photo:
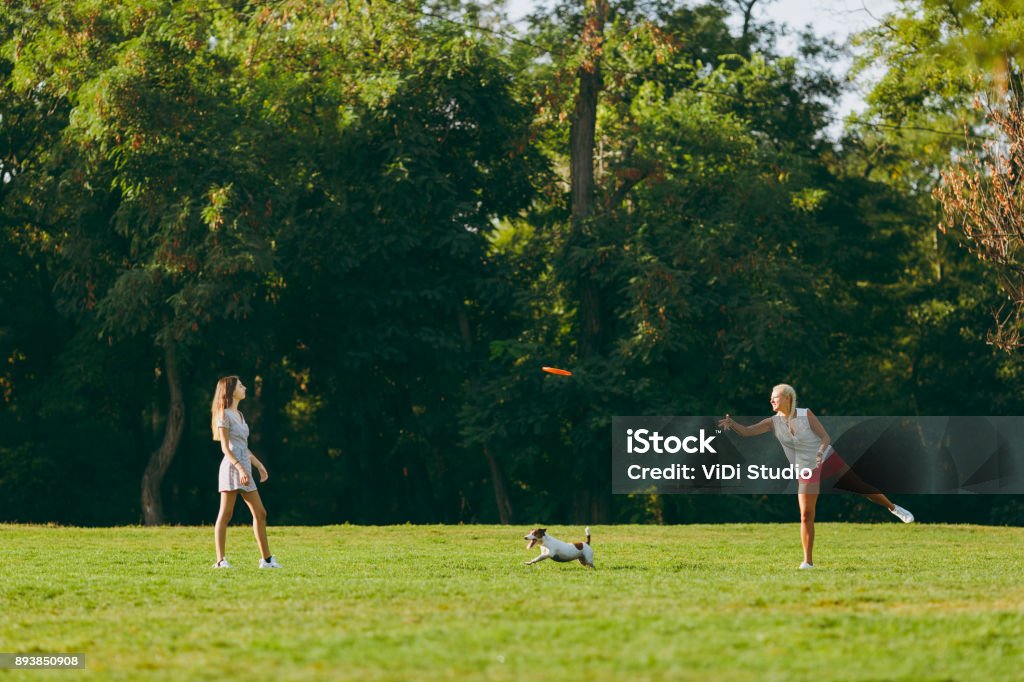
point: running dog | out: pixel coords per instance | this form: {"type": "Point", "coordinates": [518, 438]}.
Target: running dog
{"type": "Point", "coordinates": [556, 550]}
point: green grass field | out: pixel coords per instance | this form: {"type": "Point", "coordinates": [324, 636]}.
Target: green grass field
{"type": "Point", "coordinates": [886, 602]}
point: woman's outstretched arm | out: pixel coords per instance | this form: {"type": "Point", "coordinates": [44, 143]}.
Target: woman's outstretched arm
{"type": "Point", "coordinates": [763, 426]}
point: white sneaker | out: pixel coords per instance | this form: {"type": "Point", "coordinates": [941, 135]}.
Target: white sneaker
{"type": "Point", "coordinates": [804, 565]}
{"type": "Point", "coordinates": [269, 564]}
{"type": "Point", "coordinates": [223, 563]}
{"type": "Point", "coordinates": [902, 514]}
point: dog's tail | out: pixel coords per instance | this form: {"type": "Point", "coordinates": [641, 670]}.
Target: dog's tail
{"type": "Point", "coordinates": [587, 531]}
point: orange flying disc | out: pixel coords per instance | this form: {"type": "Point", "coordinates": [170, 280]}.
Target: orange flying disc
{"type": "Point", "coordinates": [555, 370]}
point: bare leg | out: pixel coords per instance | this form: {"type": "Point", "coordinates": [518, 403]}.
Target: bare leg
{"type": "Point", "coordinates": [220, 528]}
{"type": "Point", "coordinates": [259, 520]}
{"type": "Point", "coordinates": [808, 501]}
{"type": "Point", "coordinates": [880, 498]}
{"type": "Point", "coordinates": [849, 480]}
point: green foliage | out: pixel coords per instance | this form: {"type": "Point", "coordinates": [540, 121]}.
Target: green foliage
{"type": "Point", "coordinates": [936, 58]}
{"type": "Point", "coordinates": [362, 208]}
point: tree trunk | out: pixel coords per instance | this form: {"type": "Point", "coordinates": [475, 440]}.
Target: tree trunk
{"type": "Point", "coordinates": [582, 136]}
{"type": "Point", "coordinates": [500, 494]}
{"type": "Point", "coordinates": [160, 460]}
{"type": "Point", "coordinates": [584, 120]}
{"type": "Point", "coordinates": [581, 169]}
{"type": "Point", "coordinates": [497, 478]}
{"type": "Point", "coordinates": [746, 7]}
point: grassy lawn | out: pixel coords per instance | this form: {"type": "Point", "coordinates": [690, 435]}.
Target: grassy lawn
{"type": "Point", "coordinates": [886, 602]}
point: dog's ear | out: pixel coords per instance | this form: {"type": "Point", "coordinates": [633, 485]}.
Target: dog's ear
{"type": "Point", "coordinates": [542, 531]}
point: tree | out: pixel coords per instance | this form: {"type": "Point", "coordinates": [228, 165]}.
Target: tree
{"type": "Point", "coordinates": [703, 220]}
{"type": "Point", "coordinates": [980, 197]}
{"type": "Point", "coordinates": [937, 56]}
{"type": "Point", "coordinates": [161, 223]}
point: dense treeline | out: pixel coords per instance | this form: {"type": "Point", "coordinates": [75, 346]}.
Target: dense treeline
{"type": "Point", "coordinates": [370, 212]}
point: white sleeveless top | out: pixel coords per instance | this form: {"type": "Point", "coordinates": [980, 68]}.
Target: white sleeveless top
{"type": "Point", "coordinates": [798, 440]}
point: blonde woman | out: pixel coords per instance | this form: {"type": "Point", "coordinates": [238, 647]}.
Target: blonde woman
{"type": "Point", "coordinates": [808, 445]}
{"type": "Point", "coordinates": [230, 429]}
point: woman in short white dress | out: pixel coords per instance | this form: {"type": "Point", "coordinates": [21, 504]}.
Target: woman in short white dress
{"type": "Point", "coordinates": [230, 429]}
{"type": "Point", "coordinates": [808, 445]}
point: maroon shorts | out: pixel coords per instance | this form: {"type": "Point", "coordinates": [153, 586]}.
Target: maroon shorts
{"type": "Point", "coordinates": [831, 467]}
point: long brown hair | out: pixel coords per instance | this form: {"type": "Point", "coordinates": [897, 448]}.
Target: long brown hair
{"type": "Point", "coordinates": [223, 397]}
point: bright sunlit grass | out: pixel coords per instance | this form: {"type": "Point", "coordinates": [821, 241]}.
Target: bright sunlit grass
{"type": "Point", "coordinates": [888, 601]}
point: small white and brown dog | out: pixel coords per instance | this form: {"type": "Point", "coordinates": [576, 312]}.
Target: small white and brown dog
{"type": "Point", "coordinates": [556, 550]}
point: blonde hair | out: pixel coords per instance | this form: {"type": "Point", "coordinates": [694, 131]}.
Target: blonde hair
{"type": "Point", "coordinates": [789, 392]}
{"type": "Point", "coordinates": [223, 397]}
